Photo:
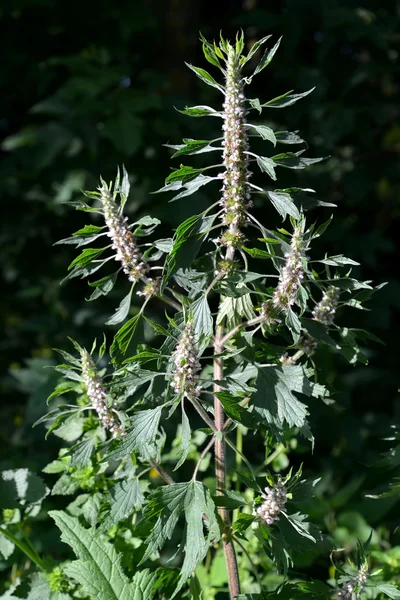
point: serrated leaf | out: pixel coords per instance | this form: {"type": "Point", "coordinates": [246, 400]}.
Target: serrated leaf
{"type": "Point", "coordinates": [183, 174]}
{"type": "Point", "coordinates": [98, 568]}
{"type": "Point", "coordinates": [124, 335]}
{"type": "Point", "coordinates": [141, 435]}
{"type": "Point", "coordinates": [189, 187]}
{"type": "Point", "coordinates": [80, 454]}
{"type": "Point", "coordinates": [267, 57]}
{"type": "Point", "coordinates": [288, 137]}
{"type": "Point", "coordinates": [187, 242]}
{"type": "Point", "coordinates": [282, 101]}
{"type": "Point", "coordinates": [295, 160]}
{"type": "Point", "coordinates": [126, 497]}
{"type": "Point", "coordinates": [390, 590]}
{"type": "Point", "coordinates": [235, 411]}
{"type": "Point", "coordinates": [200, 111]}
{"type": "Point", "coordinates": [167, 503]}
{"type": "Point", "coordinates": [337, 261]}
{"type": "Point", "coordinates": [190, 147]}
{"type": "Point", "coordinates": [202, 321]}
{"type": "Point", "coordinates": [86, 257]}
{"type": "Point", "coordinates": [20, 485]}
{"type": "Point", "coordinates": [205, 77]}
{"type": "Point", "coordinates": [266, 133]}
{"type": "Point", "coordinates": [255, 47]}
{"type": "Point", "coordinates": [267, 165]}
{"type": "Point", "coordinates": [185, 441]}
{"type": "Point", "coordinates": [283, 204]}
{"type": "Point", "coordinates": [122, 311]}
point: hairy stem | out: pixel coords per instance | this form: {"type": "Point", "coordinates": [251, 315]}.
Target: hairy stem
{"type": "Point", "coordinates": [220, 471]}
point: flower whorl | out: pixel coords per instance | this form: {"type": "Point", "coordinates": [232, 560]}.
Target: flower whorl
{"type": "Point", "coordinates": [235, 190]}
{"type": "Point", "coordinates": [274, 503]}
{"type": "Point", "coordinates": [97, 394]}
{"type": "Point", "coordinates": [186, 365]}
{"type": "Point", "coordinates": [325, 310]}
{"type": "Point", "coordinates": [122, 238]}
{"type": "Point", "coordinates": [359, 581]}
{"type": "Point", "coordinates": [291, 275]}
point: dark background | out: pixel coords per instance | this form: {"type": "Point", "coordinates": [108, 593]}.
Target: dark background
{"type": "Point", "coordinates": [90, 85]}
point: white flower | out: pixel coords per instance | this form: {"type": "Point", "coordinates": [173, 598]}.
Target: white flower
{"type": "Point", "coordinates": [187, 366]}
{"type": "Point", "coordinates": [97, 395]}
{"type": "Point", "coordinates": [291, 275]}
{"type": "Point", "coordinates": [274, 503]}
{"type": "Point", "coordinates": [123, 241]}
{"type": "Point", "coordinates": [358, 582]}
{"type": "Point", "coordinates": [325, 310]}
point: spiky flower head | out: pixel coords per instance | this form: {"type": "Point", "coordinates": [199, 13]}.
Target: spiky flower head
{"type": "Point", "coordinates": [355, 586]}
{"type": "Point", "coordinates": [324, 312]}
{"type": "Point", "coordinates": [274, 502]}
{"type": "Point", "coordinates": [186, 365]}
{"type": "Point", "coordinates": [292, 273]}
{"type": "Point", "coordinates": [123, 240]}
{"type": "Point", "coordinates": [150, 289]}
{"type": "Point", "coordinates": [97, 394]}
{"type": "Point", "coordinates": [235, 190]}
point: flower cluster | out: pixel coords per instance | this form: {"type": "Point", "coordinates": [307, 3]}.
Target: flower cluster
{"type": "Point", "coordinates": [325, 310]}
{"type": "Point", "coordinates": [235, 190]}
{"type": "Point", "coordinates": [97, 394]}
{"type": "Point", "coordinates": [123, 241]}
{"type": "Point", "coordinates": [150, 289]}
{"type": "Point", "coordinates": [291, 275]}
{"type": "Point", "coordinates": [187, 366]}
{"type": "Point", "coordinates": [307, 344]}
{"type": "Point", "coordinates": [356, 583]}
{"type": "Point", "coordinates": [274, 503]}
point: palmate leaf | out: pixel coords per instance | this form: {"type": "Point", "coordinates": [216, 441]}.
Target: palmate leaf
{"type": "Point", "coordinates": [141, 437]}
{"type": "Point", "coordinates": [167, 504]}
{"type": "Point", "coordinates": [275, 401]}
{"type": "Point", "coordinates": [126, 496]}
{"type": "Point", "coordinates": [187, 242]}
{"type": "Point", "coordinates": [98, 568]}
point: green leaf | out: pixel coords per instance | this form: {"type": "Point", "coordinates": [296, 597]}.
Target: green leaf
{"type": "Point", "coordinates": [189, 187]}
{"type": "Point", "coordinates": [190, 147]}
{"type": "Point", "coordinates": [83, 236]}
{"type": "Point", "coordinates": [86, 257]}
{"type": "Point", "coordinates": [187, 243]}
{"type": "Point", "coordinates": [236, 412]}
{"type": "Point", "coordinates": [292, 322]}
{"type": "Point", "coordinates": [267, 58]}
{"type": "Point", "coordinates": [346, 283]}
{"type": "Point", "coordinates": [255, 47]}
{"type": "Point", "coordinates": [294, 160]}
{"type": "Point", "coordinates": [390, 590]}
{"type": "Point", "coordinates": [185, 441]}
{"type": "Point", "coordinates": [122, 311]}
{"type": "Point", "coordinates": [288, 137]}
{"type": "Point", "coordinates": [124, 336]}
{"type": "Point", "coordinates": [205, 77]}
{"type": "Point", "coordinates": [184, 174]}
{"type": "Point", "coordinates": [141, 436]}
{"type": "Point", "coordinates": [167, 503]}
{"type": "Point", "coordinates": [282, 101]}
{"type": "Point", "coordinates": [257, 253]}
{"type": "Point", "coordinates": [283, 204]}
{"type": "Point", "coordinates": [230, 499]}
{"type": "Point", "coordinates": [126, 497]}
{"type": "Point", "coordinates": [202, 321]}
{"type": "Point", "coordinates": [98, 568]}
{"type": "Point", "coordinates": [103, 286]}
{"type": "Point", "coordinates": [266, 133]}
{"type": "Point", "coordinates": [337, 261]}
{"type": "Point", "coordinates": [200, 111]}
{"type": "Point", "coordinates": [318, 332]}
{"type": "Point", "coordinates": [267, 165]}
{"type": "Point", "coordinates": [80, 454]}
{"type": "Point", "coordinates": [20, 485]}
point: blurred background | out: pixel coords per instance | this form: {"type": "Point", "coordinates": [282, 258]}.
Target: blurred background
{"type": "Point", "coordinates": [87, 86]}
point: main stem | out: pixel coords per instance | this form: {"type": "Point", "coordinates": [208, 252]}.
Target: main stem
{"type": "Point", "coordinates": [220, 471]}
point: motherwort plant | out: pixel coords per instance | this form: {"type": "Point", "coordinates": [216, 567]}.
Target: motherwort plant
{"type": "Point", "coordinates": [247, 308]}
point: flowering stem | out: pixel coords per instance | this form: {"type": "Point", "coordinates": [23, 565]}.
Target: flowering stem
{"type": "Point", "coordinates": [220, 470]}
